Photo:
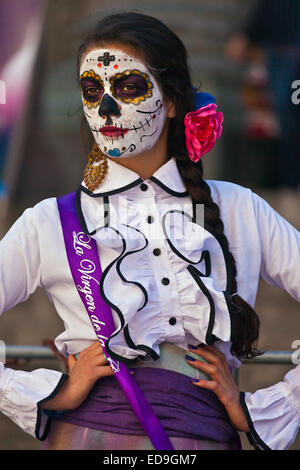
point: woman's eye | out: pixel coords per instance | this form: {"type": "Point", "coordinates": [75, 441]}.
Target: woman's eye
{"type": "Point", "coordinates": [132, 87]}
{"type": "Point", "coordinates": [92, 92]}
{"type": "Point", "coordinates": [129, 88]}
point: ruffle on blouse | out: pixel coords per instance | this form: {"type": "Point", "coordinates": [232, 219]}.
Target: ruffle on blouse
{"type": "Point", "coordinates": [125, 285]}
{"type": "Point", "coordinates": [277, 427]}
{"type": "Point", "coordinates": [200, 271]}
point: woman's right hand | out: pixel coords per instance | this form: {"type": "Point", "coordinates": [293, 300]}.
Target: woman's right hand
{"type": "Point", "coordinates": [90, 366]}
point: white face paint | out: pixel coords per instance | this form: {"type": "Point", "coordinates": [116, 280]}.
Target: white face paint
{"type": "Point", "coordinates": [122, 102]}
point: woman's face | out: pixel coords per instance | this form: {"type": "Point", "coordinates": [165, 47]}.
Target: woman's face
{"type": "Point", "coordinates": [122, 101]}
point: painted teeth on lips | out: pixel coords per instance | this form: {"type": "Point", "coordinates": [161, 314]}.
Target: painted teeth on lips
{"type": "Point", "coordinates": [112, 130]}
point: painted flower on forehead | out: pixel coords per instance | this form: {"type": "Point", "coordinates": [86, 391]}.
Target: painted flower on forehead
{"type": "Point", "coordinates": [202, 128]}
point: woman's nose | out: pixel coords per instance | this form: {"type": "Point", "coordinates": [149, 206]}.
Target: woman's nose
{"type": "Point", "coordinates": [108, 107]}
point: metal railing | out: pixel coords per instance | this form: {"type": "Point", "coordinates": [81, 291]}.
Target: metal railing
{"type": "Point", "coordinates": [43, 352]}
{"type": "Point", "coordinates": [31, 352]}
{"type": "Point", "coordinates": [272, 357]}
{"type": "Point", "coordinates": [269, 357]}
{"type": "Point", "coordinates": [28, 352]}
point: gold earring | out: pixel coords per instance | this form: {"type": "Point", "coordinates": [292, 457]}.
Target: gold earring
{"type": "Point", "coordinates": [95, 173]}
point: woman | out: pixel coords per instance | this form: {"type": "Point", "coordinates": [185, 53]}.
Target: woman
{"type": "Point", "coordinates": [180, 289]}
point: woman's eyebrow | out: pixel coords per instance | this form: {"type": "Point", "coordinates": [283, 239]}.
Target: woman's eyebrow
{"type": "Point", "coordinates": [129, 75]}
{"type": "Point", "coordinates": [89, 81]}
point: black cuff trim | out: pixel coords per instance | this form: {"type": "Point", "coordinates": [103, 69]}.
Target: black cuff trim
{"type": "Point", "coordinates": [252, 436]}
{"type": "Point", "coordinates": [62, 380]}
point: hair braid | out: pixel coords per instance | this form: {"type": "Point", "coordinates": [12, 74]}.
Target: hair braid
{"type": "Point", "coordinates": [243, 316]}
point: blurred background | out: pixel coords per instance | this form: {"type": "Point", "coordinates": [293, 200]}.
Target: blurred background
{"type": "Point", "coordinates": [245, 52]}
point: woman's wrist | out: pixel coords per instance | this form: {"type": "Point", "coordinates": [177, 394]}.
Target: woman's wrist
{"type": "Point", "coordinates": [65, 399]}
{"type": "Point", "coordinates": [237, 416]}
{"type": "Point", "coordinates": [57, 403]}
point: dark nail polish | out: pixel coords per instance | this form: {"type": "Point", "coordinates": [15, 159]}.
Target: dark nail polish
{"type": "Point", "coordinates": [191, 346]}
{"type": "Point", "coordinates": [190, 358]}
{"type": "Point", "coordinates": [201, 345]}
{"type": "Point", "coordinates": [195, 380]}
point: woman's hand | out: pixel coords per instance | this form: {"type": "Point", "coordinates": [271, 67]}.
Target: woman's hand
{"type": "Point", "coordinates": [222, 383]}
{"type": "Point", "coordinates": [90, 366]}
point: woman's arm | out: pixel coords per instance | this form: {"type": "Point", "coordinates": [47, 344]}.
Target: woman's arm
{"type": "Point", "coordinates": [280, 248]}
{"type": "Point", "coordinates": [21, 393]}
{"type": "Point", "coordinates": [273, 414]}
{"type": "Point", "coordinates": [20, 272]}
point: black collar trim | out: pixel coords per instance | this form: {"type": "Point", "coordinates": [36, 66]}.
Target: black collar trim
{"type": "Point", "coordinates": [114, 191]}
{"type": "Point", "coordinates": [167, 189]}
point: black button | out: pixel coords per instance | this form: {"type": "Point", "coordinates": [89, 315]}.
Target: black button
{"type": "Point", "coordinates": [156, 252]}
{"type": "Point", "coordinates": [165, 281]}
{"type": "Point", "coordinates": [144, 187]}
{"type": "Point", "coordinates": [172, 321]}
{"type": "Point", "coordinates": [105, 214]}
{"type": "Point", "coordinates": [150, 219]}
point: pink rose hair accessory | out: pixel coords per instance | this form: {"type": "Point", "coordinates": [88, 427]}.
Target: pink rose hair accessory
{"type": "Point", "coordinates": [202, 127]}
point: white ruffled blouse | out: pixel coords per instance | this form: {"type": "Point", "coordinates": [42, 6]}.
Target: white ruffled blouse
{"type": "Point", "coordinates": [165, 277]}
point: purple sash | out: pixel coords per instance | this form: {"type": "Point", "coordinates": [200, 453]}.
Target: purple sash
{"type": "Point", "coordinates": [86, 271]}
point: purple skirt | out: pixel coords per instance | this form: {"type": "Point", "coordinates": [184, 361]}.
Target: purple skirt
{"type": "Point", "coordinates": [184, 410]}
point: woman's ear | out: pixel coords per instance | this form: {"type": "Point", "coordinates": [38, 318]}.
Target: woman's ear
{"type": "Point", "coordinates": [171, 108]}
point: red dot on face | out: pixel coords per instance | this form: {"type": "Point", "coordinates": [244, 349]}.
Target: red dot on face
{"type": "Point", "coordinates": [99, 65]}
{"type": "Point", "coordinates": [154, 116]}
{"type": "Point", "coordinates": [116, 66]}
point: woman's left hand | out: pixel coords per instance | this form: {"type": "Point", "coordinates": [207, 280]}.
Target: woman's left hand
{"type": "Point", "coordinates": [222, 383]}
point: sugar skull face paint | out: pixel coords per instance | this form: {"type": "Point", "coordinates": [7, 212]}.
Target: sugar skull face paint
{"type": "Point", "coordinates": [122, 102]}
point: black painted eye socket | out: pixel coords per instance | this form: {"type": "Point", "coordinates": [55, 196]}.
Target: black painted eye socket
{"type": "Point", "coordinates": [92, 90]}
{"type": "Point", "coordinates": [131, 86]}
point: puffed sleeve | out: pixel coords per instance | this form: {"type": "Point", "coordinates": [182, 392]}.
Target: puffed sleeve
{"type": "Point", "coordinates": [22, 393]}
{"type": "Point", "coordinates": [273, 413]}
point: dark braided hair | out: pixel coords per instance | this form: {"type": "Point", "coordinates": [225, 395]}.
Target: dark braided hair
{"type": "Point", "coordinates": [166, 58]}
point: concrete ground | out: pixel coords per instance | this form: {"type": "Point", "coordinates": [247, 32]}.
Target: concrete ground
{"type": "Point", "coordinates": [279, 315]}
